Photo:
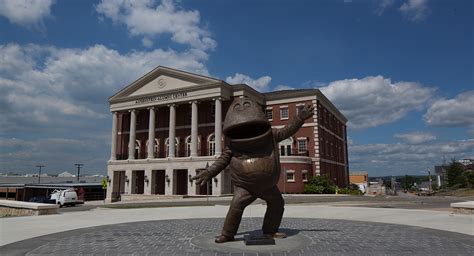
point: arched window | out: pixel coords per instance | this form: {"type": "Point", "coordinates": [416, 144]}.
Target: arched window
{"type": "Point", "coordinates": [156, 148]}
{"type": "Point", "coordinates": [286, 147]}
{"type": "Point", "coordinates": [188, 145]}
{"type": "Point", "coordinates": [176, 146]}
{"type": "Point", "coordinates": [211, 144]}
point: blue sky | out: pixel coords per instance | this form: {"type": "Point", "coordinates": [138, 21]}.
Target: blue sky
{"type": "Point", "coordinates": [400, 70]}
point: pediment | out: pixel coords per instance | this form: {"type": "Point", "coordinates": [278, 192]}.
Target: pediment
{"type": "Point", "coordinates": [162, 80]}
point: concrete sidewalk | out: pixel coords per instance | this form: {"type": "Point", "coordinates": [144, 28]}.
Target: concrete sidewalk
{"type": "Point", "coordinates": [19, 228]}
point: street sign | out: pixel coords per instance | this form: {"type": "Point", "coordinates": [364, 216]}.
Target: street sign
{"type": "Point", "coordinates": [104, 183]}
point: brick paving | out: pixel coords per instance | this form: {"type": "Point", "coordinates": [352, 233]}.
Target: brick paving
{"type": "Point", "coordinates": [194, 237]}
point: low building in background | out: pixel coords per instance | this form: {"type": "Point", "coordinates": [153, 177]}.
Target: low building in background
{"type": "Point", "coordinates": [360, 178]}
{"type": "Point", "coordinates": [66, 174]}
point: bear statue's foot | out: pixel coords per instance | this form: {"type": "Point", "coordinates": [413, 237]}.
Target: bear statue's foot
{"type": "Point", "coordinates": [222, 239]}
{"type": "Point", "coordinates": [277, 235]}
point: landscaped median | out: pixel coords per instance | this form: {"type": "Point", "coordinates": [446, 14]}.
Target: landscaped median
{"type": "Point", "coordinates": [19, 208]}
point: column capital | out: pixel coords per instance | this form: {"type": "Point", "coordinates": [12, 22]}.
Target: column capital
{"type": "Point", "coordinates": [194, 101]}
{"type": "Point", "coordinates": [133, 110]}
{"type": "Point", "coordinates": [217, 98]}
{"type": "Point", "coordinates": [172, 105]}
{"type": "Point", "coordinates": [152, 108]}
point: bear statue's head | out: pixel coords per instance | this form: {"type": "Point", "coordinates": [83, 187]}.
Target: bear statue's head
{"type": "Point", "coordinates": [246, 123]}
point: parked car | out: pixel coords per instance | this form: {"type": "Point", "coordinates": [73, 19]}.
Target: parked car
{"type": "Point", "coordinates": [64, 197]}
{"type": "Point", "coordinates": [42, 199]}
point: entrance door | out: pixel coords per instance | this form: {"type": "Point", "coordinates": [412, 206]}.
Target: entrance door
{"type": "Point", "coordinates": [180, 182]}
{"type": "Point", "coordinates": [205, 189]}
{"type": "Point", "coordinates": [118, 186]}
{"type": "Point", "coordinates": [138, 182]}
{"type": "Point", "coordinates": [158, 182]}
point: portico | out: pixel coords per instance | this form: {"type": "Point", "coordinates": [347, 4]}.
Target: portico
{"type": "Point", "coordinates": [164, 104]}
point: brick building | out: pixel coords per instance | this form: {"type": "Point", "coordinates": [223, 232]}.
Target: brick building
{"type": "Point", "coordinates": [168, 103]}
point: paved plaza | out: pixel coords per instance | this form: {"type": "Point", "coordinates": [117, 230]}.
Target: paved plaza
{"type": "Point", "coordinates": [195, 237]}
{"type": "Point", "coordinates": [312, 230]}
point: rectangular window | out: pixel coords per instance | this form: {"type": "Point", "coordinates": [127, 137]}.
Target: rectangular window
{"type": "Point", "coordinates": [290, 176]}
{"type": "Point", "coordinates": [302, 147]}
{"type": "Point", "coordinates": [299, 108]}
{"type": "Point", "coordinates": [284, 113]}
{"type": "Point", "coordinates": [304, 175]}
{"type": "Point", "coordinates": [269, 113]}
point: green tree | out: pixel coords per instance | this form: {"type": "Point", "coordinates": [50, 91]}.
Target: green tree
{"type": "Point", "coordinates": [455, 175]}
{"type": "Point", "coordinates": [407, 182]}
{"type": "Point", "coordinates": [470, 178]}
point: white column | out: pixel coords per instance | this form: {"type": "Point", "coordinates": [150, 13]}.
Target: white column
{"type": "Point", "coordinates": [194, 128]}
{"type": "Point", "coordinates": [218, 126]}
{"type": "Point", "coordinates": [147, 185]}
{"type": "Point", "coordinates": [169, 185]}
{"type": "Point", "coordinates": [133, 129]}
{"type": "Point", "coordinates": [172, 131]}
{"type": "Point", "coordinates": [191, 185]}
{"type": "Point", "coordinates": [113, 148]}
{"type": "Point", "coordinates": [151, 135]}
{"type": "Point", "coordinates": [128, 185]}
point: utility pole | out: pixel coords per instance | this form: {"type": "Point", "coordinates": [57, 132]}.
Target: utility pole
{"type": "Point", "coordinates": [39, 175]}
{"type": "Point", "coordinates": [78, 170]}
{"type": "Point", "coordinates": [429, 178]}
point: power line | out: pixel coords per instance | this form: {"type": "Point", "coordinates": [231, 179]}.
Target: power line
{"type": "Point", "coordinates": [78, 170]}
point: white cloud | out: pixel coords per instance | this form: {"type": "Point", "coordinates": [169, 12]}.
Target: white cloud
{"type": "Point", "coordinates": [397, 159]}
{"type": "Point", "coordinates": [146, 18]}
{"type": "Point", "coordinates": [27, 13]}
{"type": "Point", "coordinates": [458, 111]}
{"type": "Point", "coordinates": [373, 101]}
{"type": "Point", "coordinates": [57, 87]}
{"type": "Point", "coordinates": [147, 42]}
{"type": "Point", "coordinates": [22, 154]}
{"type": "Point", "coordinates": [415, 10]}
{"type": "Point", "coordinates": [281, 87]}
{"type": "Point", "coordinates": [260, 84]}
{"type": "Point", "coordinates": [383, 5]}
{"type": "Point", "coordinates": [415, 137]}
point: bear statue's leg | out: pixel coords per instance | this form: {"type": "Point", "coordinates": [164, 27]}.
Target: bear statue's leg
{"type": "Point", "coordinates": [242, 198]}
{"type": "Point", "coordinates": [274, 213]}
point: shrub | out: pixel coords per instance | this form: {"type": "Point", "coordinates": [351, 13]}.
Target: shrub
{"type": "Point", "coordinates": [320, 185]}
{"type": "Point", "coordinates": [313, 189]}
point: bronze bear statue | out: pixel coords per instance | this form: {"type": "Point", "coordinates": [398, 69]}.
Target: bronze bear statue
{"type": "Point", "coordinates": [252, 156]}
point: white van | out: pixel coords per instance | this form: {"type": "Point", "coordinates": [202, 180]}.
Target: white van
{"type": "Point", "coordinates": [64, 197]}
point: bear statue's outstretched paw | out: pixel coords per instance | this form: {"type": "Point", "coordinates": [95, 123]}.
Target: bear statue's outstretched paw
{"type": "Point", "coordinates": [222, 239]}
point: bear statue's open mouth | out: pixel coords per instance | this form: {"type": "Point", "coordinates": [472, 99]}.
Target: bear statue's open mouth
{"type": "Point", "coordinates": [247, 130]}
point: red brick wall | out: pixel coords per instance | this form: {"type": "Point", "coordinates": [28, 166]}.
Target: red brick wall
{"type": "Point", "coordinates": [298, 185]}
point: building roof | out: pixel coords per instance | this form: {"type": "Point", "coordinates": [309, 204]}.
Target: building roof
{"type": "Point", "coordinates": [359, 173]}
{"type": "Point", "coordinates": [287, 94]}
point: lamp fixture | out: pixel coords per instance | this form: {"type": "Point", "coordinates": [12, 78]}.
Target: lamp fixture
{"type": "Point", "coordinates": [190, 178]}
{"type": "Point", "coordinates": [146, 179]}
{"type": "Point", "coordinates": [167, 178]}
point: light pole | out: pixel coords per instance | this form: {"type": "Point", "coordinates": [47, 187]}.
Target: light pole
{"type": "Point", "coordinates": [39, 175]}
{"type": "Point", "coordinates": [429, 178]}
{"type": "Point", "coordinates": [78, 170]}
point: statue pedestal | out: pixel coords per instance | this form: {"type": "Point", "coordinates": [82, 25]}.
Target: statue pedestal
{"type": "Point", "coordinates": [259, 240]}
